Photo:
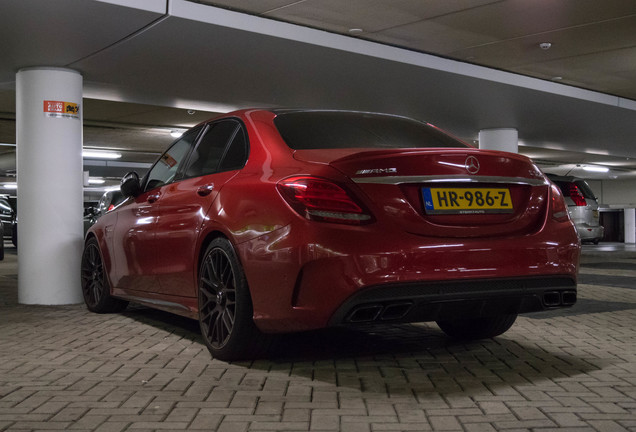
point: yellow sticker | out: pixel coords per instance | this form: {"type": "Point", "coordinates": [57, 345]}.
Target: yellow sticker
{"type": "Point", "coordinates": [61, 109]}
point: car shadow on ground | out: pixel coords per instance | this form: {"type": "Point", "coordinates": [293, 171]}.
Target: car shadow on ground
{"type": "Point", "coordinates": [329, 343]}
{"type": "Point", "coordinates": [400, 359]}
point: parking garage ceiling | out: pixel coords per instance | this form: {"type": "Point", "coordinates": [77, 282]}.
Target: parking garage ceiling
{"type": "Point", "coordinates": [152, 66]}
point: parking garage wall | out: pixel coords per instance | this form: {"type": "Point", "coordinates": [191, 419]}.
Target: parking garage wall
{"type": "Point", "coordinates": [615, 193]}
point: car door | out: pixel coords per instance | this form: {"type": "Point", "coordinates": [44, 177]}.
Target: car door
{"type": "Point", "coordinates": [134, 233]}
{"type": "Point", "coordinates": [220, 152]}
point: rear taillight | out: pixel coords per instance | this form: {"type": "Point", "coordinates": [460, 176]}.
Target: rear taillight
{"type": "Point", "coordinates": [322, 200]}
{"type": "Point", "coordinates": [559, 208]}
{"type": "Point", "coordinates": [575, 194]}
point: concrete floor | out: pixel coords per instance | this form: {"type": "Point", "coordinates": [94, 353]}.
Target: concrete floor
{"type": "Point", "coordinates": [64, 368]}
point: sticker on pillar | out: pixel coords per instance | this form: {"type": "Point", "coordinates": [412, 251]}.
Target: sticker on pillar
{"type": "Point", "coordinates": [60, 109]}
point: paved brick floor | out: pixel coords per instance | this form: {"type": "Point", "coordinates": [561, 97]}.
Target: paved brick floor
{"type": "Point", "coordinates": [63, 368]}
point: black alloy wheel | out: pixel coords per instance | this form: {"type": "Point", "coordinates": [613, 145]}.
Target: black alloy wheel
{"type": "Point", "coordinates": [225, 306]}
{"type": "Point", "coordinates": [95, 286]}
{"type": "Point", "coordinates": [218, 298]}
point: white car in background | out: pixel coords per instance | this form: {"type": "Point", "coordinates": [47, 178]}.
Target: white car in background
{"type": "Point", "coordinates": [582, 206]}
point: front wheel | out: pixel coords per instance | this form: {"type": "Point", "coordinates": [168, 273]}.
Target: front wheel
{"type": "Point", "coordinates": [225, 305]}
{"type": "Point", "coordinates": [95, 285]}
{"type": "Point", "coordinates": [478, 328]}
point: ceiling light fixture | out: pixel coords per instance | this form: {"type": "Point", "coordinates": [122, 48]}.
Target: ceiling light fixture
{"type": "Point", "coordinates": [96, 181]}
{"type": "Point", "coordinates": [545, 45]}
{"type": "Point", "coordinates": [176, 133]}
{"type": "Point", "coordinates": [595, 168]}
{"type": "Point", "coordinates": [10, 185]}
{"type": "Point", "coordinates": [100, 154]}
{"type": "Point", "coordinates": [355, 31]}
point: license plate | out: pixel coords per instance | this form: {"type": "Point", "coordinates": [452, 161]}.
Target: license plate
{"type": "Point", "coordinates": [466, 200]}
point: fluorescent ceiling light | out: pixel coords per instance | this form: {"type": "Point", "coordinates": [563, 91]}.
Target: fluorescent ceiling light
{"type": "Point", "coordinates": [595, 168]}
{"type": "Point", "coordinates": [176, 133]}
{"type": "Point", "coordinates": [101, 154]}
{"type": "Point", "coordinates": [96, 181]}
{"type": "Point", "coordinates": [100, 189]}
{"type": "Point", "coordinates": [10, 185]}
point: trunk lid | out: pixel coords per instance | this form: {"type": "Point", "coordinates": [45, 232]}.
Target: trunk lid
{"type": "Point", "coordinates": [445, 192]}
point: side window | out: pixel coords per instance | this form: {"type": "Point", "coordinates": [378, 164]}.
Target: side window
{"type": "Point", "coordinates": [166, 168]}
{"type": "Point", "coordinates": [236, 154]}
{"type": "Point", "coordinates": [207, 155]}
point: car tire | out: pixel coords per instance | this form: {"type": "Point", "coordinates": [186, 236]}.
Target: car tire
{"type": "Point", "coordinates": [478, 328]}
{"type": "Point", "coordinates": [225, 306]}
{"type": "Point", "coordinates": [94, 281]}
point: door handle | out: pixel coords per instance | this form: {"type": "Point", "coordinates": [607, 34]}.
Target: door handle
{"type": "Point", "coordinates": [205, 190]}
{"type": "Point", "coordinates": [152, 198]}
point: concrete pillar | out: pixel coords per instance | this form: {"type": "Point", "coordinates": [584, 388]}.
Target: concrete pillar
{"type": "Point", "coordinates": [49, 163]}
{"type": "Point", "coordinates": [499, 139]}
{"type": "Point", "coordinates": [630, 225]}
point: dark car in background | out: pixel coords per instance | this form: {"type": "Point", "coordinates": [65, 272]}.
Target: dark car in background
{"type": "Point", "coordinates": [107, 202]}
{"type": "Point", "coordinates": [582, 206]}
{"type": "Point", "coordinates": [8, 217]}
{"type": "Point", "coordinates": [1, 243]}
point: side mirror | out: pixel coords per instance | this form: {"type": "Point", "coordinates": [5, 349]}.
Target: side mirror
{"type": "Point", "coordinates": [130, 185]}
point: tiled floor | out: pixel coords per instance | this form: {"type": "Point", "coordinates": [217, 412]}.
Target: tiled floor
{"type": "Point", "coordinates": [63, 368]}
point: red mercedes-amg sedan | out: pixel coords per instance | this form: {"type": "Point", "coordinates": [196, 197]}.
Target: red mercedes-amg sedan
{"type": "Point", "coordinates": [270, 221]}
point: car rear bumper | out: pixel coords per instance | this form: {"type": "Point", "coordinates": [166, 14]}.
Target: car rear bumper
{"type": "Point", "coordinates": [352, 275]}
{"type": "Point", "coordinates": [418, 302]}
{"type": "Point", "coordinates": [590, 233]}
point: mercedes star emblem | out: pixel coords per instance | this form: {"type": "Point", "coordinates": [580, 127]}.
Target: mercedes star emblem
{"type": "Point", "coordinates": [472, 165]}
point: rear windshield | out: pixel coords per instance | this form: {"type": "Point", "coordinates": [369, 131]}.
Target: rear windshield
{"type": "Point", "coordinates": [312, 130]}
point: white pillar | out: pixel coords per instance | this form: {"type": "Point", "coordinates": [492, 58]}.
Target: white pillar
{"type": "Point", "coordinates": [504, 139]}
{"type": "Point", "coordinates": [630, 225]}
{"type": "Point", "coordinates": [49, 163]}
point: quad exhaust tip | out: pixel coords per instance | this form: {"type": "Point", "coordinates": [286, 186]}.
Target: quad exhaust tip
{"type": "Point", "coordinates": [378, 312]}
{"type": "Point", "coordinates": [398, 310]}
{"type": "Point", "coordinates": [559, 298]}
